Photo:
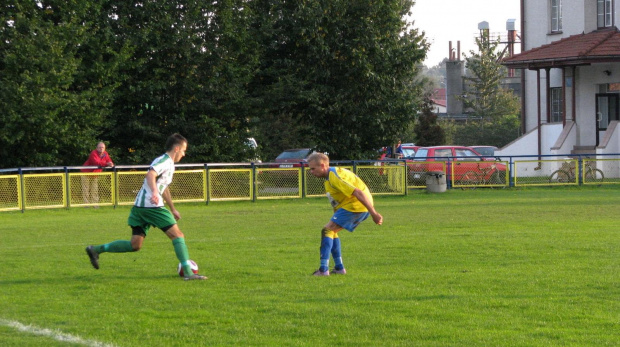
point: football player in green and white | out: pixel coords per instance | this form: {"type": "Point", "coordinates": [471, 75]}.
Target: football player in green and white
{"type": "Point", "coordinates": [149, 210]}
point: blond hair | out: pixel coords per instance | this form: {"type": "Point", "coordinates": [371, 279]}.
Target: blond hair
{"type": "Point", "coordinates": [319, 158]}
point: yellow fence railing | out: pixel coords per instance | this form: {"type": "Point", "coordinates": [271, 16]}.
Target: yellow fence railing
{"type": "Point", "coordinates": [10, 193]}
{"type": "Point", "coordinates": [223, 182]}
{"type": "Point", "coordinates": [92, 189]}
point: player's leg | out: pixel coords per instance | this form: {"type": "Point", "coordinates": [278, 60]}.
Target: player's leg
{"type": "Point", "coordinates": [349, 221]}
{"type": "Point", "coordinates": [139, 228]}
{"type": "Point", "coordinates": [180, 249]}
{"type": "Point", "coordinates": [327, 241]}
{"type": "Point", "coordinates": [94, 190]}
{"type": "Point", "coordinates": [337, 255]}
{"type": "Point", "coordinates": [118, 246]}
{"type": "Point", "coordinates": [85, 189]}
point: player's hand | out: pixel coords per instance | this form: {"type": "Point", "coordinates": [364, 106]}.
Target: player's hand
{"type": "Point", "coordinates": [377, 218]}
{"type": "Point", "coordinates": [155, 199]}
{"type": "Point", "coordinates": [176, 215]}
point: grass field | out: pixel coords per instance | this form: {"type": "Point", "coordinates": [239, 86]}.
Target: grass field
{"type": "Point", "coordinates": [533, 267]}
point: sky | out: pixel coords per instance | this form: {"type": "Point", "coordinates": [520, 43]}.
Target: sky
{"type": "Point", "coordinates": [457, 20]}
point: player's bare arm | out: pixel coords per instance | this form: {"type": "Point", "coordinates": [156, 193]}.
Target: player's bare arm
{"type": "Point", "coordinates": [151, 181]}
{"type": "Point", "coordinates": [361, 196]}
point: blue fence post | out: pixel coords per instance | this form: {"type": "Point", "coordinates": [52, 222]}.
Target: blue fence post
{"type": "Point", "coordinates": [511, 174]}
{"type": "Point", "coordinates": [448, 171]}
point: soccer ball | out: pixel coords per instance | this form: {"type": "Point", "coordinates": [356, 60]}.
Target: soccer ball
{"type": "Point", "coordinates": [192, 264]}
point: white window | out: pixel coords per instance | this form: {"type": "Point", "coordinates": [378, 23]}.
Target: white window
{"type": "Point", "coordinates": [556, 15]}
{"type": "Point", "coordinates": [604, 10]}
{"type": "Point", "coordinates": [556, 105]}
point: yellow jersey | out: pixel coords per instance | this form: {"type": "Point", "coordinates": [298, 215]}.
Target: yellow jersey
{"type": "Point", "coordinates": [339, 186]}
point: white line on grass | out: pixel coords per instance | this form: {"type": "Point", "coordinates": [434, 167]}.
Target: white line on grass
{"type": "Point", "coordinates": [55, 334]}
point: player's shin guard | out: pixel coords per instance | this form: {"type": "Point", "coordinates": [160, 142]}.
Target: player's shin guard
{"type": "Point", "coordinates": [327, 241]}
{"type": "Point", "coordinates": [182, 254]}
{"type": "Point", "coordinates": [337, 253]}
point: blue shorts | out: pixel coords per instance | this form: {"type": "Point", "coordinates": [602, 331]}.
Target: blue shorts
{"type": "Point", "coordinates": [347, 219]}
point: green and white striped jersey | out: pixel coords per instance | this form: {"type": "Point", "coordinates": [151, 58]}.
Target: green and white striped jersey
{"type": "Point", "coordinates": [164, 167]}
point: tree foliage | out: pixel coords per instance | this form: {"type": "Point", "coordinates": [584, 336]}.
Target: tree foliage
{"type": "Point", "coordinates": [338, 74]}
{"type": "Point", "coordinates": [428, 132]}
{"type": "Point", "coordinates": [493, 109]}
{"type": "Point", "coordinates": [334, 75]}
{"type": "Point", "coordinates": [191, 61]}
{"type": "Point", "coordinates": [55, 88]}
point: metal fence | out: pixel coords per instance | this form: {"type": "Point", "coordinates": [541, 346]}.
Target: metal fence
{"type": "Point", "coordinates": [518, 171]}
{"type": "Point", "coordinates": [65, 187]}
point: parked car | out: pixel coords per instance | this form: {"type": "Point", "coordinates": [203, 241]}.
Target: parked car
{"type": "Point", "coordinates": [293, 157]}
{"type": "Point", "coordinates": [409, 150]}
{"type": "Point", "coordinates": [485, 150]}
{"type": "Point", "coordinates": [469, 165]}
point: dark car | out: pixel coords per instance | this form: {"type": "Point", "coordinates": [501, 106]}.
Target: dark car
{"type": "Point", "coordinates": [485, 150]}
{"type": "Point", "coordinates": [407, 152]}
{"type": "Point", "coordinates": [293, 157]}
{"type": "Point", "coordinates": [468, 166]}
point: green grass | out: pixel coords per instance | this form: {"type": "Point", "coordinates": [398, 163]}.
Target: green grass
{"type": "Point", "coordinates": [527, 267]}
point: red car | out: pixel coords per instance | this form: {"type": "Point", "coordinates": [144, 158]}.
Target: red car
{"type": "Point", "coordinates": [468, 166]}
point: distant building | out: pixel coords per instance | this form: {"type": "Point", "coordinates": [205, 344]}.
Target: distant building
{"type": "Point", "coordinates": [439, 100]}
{"type": "Point", "coordinates": [456, 70]}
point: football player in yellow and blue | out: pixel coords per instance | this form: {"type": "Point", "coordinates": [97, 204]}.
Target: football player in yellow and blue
{"type": "Point", "coordinates": [148, 210]}
{"type": "Point", "coordinates": [352, 203]}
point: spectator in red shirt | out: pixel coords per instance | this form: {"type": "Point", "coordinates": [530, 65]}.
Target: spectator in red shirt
{"type": "Point", "coordinates": [90, 185]}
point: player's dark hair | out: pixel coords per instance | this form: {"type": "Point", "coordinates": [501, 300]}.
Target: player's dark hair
{"type": "Point", "coordinates": [175, 139]}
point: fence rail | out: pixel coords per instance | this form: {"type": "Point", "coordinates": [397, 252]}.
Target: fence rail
{"type": "Point", "coordinates": [65, 187]}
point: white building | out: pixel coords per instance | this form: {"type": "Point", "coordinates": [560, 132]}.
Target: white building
{"type": "Point", "coordinates": [571, 81]}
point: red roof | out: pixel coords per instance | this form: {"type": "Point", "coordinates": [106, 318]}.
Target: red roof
{"type": "Point", "coordinates": [582, 49]}
{"type": "Point", "coordinates": [439, 93]}
{"type": "Point", "coordinates": [440, 102]}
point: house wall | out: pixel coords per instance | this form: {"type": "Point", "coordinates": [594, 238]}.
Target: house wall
{"type": "Point", "coordinates": [578, 16]}
{"type": "Point", "coordinates": [528, 143]}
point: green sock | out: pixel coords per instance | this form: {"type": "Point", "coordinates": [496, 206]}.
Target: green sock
{"type": "Point", "coordinates": [120, 246]}
{"type": "Point", "coordinates": [182, 254]}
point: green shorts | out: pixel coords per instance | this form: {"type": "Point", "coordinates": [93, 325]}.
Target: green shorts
{"type": "Point", "coordinates": [142, 217]}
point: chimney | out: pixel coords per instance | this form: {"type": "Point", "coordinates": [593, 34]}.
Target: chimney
{"type": "Point", "coordinates": [454, 82]}
{"type": "Point", "coordinates": [512, 38]}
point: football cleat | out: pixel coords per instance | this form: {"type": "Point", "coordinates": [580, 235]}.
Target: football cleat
{"type": "Point", "coordinates": [321, 273]}
{"type": "Point", "coordinates": [94, 256]}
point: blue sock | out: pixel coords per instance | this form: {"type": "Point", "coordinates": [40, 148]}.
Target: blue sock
{"type": "Point", "coordinates": [337, 254]}
{"type": "Point", "coordinates": [326, 247]}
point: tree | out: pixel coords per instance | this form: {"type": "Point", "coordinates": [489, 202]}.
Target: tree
{"type": "Point", "coordinates": [334, 75]}
{"type": "Point", "coordinates": [488, 103]}
{"type": "Point", "coordinates": [427, 131]}
{"type": "Point", "coordinates": [337, 76]}
{"type": "Point", "coordinates": [55, 87]}
{"type": "Point", "coordinates": [189, 70]}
